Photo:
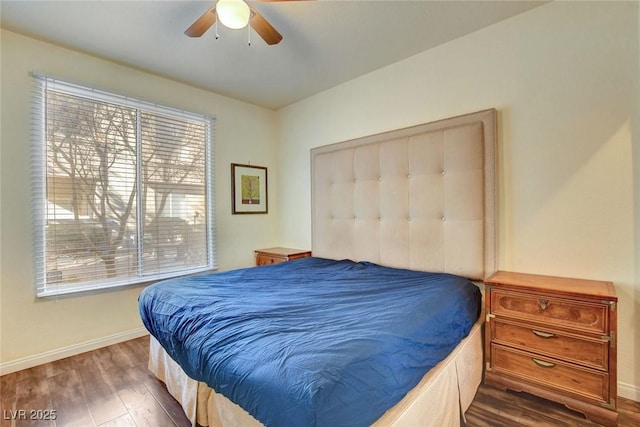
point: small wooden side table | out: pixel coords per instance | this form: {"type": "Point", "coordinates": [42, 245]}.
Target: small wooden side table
{"type": "Point", "coordinates": [556, 338]}
{"type": "Point", "coordinates": [276, 255]}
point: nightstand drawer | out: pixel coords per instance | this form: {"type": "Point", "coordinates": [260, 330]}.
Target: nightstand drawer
{"type": "Point", "coordinates": [266, 259]}
{"type": "Point", "coordinates": [548, 372]}
{"type": "Point", "coordinates": [577, 315]}
{"type": "Point", "coordinates": [587, 351]}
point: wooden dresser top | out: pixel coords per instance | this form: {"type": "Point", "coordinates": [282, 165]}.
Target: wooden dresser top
{"type": "Point", "coordinates": [551, 284]}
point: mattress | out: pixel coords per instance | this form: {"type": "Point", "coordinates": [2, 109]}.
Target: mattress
{"type": "Point", "coordinates": [311, 342]}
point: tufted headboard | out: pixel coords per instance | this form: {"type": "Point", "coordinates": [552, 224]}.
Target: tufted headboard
{"type": "Point", "coordinates": [422, 198]}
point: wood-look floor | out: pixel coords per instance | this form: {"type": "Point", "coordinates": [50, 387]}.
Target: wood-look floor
{"type": "Point", "coordinates": [112, 387]}
{"type": "Point", "coordinates": [108, 387]}
{"type": "Point", "coordinates": [495, 408]}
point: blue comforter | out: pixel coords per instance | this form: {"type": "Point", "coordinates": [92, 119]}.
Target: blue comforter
{"type": "Point", "coordinates": [311, 342]}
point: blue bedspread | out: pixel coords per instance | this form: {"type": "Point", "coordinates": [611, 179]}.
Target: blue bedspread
{"type": "Point", "coordinates": [311, 342]}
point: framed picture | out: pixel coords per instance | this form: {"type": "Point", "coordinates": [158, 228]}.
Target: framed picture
{"type": "Point", "coordinates": [249, 189]}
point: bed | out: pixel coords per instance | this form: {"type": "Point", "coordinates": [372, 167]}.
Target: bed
{"type": "Point", "coordinates": [417, 204]}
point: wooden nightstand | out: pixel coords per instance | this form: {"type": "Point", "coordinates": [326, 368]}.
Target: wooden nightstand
{"type": "Point", "coordinates": [555, 338]}
{"type": "Point", "coordinates": [276, 255]}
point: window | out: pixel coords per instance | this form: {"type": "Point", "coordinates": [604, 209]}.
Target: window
{"type": "Point", "coordinates": [122, 190]}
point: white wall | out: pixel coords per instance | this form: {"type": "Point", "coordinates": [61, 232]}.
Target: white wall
{"type": "Point", "coordinates": [634, 320]}
{"type": "Point", "coordinates": [31, 326]}
{"type": "Point", "coordinates": [564, 79]}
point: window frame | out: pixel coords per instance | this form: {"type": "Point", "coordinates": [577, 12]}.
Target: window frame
{"type": "Point", "coordinates": [40, 147]}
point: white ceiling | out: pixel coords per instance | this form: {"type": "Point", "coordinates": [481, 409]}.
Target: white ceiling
{"type": "Point", "coordinates": [325, 42]}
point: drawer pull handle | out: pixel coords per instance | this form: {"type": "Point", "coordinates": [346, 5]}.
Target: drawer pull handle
{"type": "Point", "coordinates": [543, 363]}
{"type": "Point", "coordinates": [542, 334]}
{"type": "Point", "coordinates": [543, 304]}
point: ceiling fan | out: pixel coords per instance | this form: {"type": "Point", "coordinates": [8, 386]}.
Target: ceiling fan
{"type": "Point", "coordinates": [236, 14]}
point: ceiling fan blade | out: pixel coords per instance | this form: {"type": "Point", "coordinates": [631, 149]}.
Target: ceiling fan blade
{"type": "Point", "coordinates": [274, 1]}
{"type": "Point", "coordinates": [203, 23]}
{"type": "Point", "coordinates": [264, 29]}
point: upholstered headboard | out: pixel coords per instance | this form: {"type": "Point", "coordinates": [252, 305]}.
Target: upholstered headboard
{"type": "Point", "coordinates": [422, 198]}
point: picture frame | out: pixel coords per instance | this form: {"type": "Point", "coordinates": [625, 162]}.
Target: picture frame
{"type": "Point", "coordinates": [249, 189]}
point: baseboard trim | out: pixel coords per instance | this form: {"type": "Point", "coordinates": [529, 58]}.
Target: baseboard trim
{"type": "Point", "coordinates": [72, 350]}
{"type": "Point", "coordinates": [629, 391]}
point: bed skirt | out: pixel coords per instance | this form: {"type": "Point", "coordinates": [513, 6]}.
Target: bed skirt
{"type": "Point", "coordinates": [439, 400]}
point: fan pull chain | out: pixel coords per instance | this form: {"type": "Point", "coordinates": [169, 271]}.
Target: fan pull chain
{"type": "Point", "coordinates": [249, 34]}
{"type": "Point", "coordinates": [216, 28]}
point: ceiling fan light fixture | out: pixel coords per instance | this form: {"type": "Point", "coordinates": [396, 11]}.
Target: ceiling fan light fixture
{"type": "Point", "coordinates": [233, 14]}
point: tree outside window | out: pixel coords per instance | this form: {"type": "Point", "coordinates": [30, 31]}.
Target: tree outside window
{"type": "Point", "coordinates": [126, 192]}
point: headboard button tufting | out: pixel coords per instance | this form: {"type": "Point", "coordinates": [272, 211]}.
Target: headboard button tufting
{"type": "Point", "coordinates": [347, 183]}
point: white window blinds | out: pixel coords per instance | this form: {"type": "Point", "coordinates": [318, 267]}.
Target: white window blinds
{"type": "Point", "coordinates": [122, 190]}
